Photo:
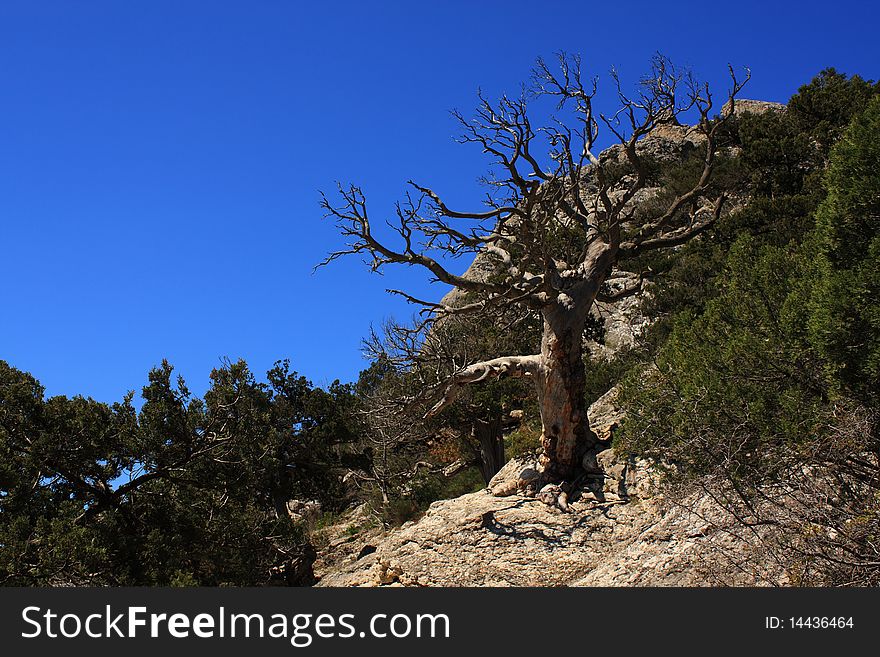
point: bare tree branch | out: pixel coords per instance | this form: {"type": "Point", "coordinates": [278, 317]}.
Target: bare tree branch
{"type": "Point", "coordinates": [514, 366]}
{"type": "Point", "coordinates": [554, 227]}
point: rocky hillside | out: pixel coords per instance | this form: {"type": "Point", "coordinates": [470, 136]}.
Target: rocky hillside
{"type": "Point", "coordinates": [619, 530]}
{"type": "Point", "coordinates": [621, 533]}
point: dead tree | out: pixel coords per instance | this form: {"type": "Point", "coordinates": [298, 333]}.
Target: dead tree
{"type": "Point", "coordinates": [554, 231]}
{"type": "Point", "coordinates": [426, 356]}
{"type": "Point", "coordinates": [387, 441]}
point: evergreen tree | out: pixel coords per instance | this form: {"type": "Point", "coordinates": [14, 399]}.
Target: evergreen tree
{"type": "Point", "coordinates": [767, 396]}
{"type": "Point", "coordinates": [188, 491]}
{"type": "Point", "coordinates": [845, 321]}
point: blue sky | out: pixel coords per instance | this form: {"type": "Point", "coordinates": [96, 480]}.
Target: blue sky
{"type": "Point", "coordinates": [160, 161]}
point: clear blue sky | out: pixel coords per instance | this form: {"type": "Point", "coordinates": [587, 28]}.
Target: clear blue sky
{"type": "Point", "coordinates": [160, 161]}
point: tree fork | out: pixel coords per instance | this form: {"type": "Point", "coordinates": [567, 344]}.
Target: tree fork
{"type": "Point", "coordinates": [530, 205]}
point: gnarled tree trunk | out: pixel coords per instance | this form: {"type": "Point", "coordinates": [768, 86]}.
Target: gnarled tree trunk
{"type": "Point", "coordinates": [566, 434]}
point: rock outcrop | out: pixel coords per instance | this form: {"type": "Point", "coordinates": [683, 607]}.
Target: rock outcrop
{"type": "Point", "coordinates": [622, 533]}
{"type": "Point", "coordinates": [746, 106]}
{"type": "Point", "coordinates": [484, 540]}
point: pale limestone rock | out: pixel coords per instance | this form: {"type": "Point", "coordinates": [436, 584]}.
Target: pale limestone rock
{"type": "Point", "coordinates": [746, 106]}
{"type": "Point", "coordinates": [519, 474]}
{"type": "Point", "coordinates": [605, 414]}
{"type": "Point", "coordinates": [483, 540]}
{"type": "Point", "coordinates": [304, 510]}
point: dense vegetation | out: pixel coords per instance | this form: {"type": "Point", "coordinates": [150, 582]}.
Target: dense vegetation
{"type": "Point", "coordinates": [763, 387]}
{"type": "Point", "coordinates": [186, 491]}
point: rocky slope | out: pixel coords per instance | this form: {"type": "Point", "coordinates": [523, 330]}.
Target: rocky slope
{"type": "Point", "coordinates": [482, 540]}
{"type": "Point", "coordinates": [622, 533]}
{"type": "Point", "coordinates": [619, 531]}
